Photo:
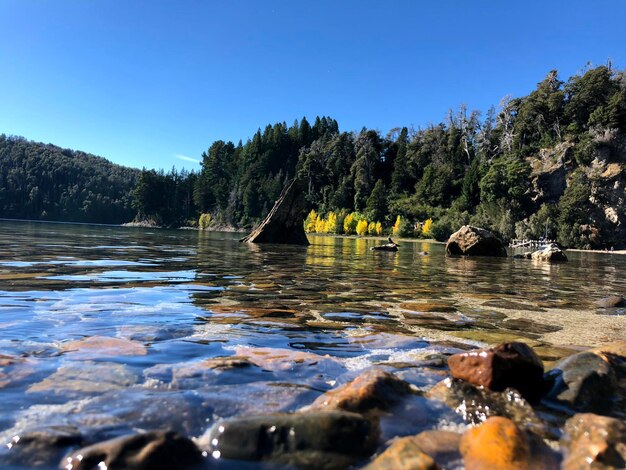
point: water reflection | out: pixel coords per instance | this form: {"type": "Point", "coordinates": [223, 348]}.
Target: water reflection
{"type": "Point", "coordinates": [193, 299]}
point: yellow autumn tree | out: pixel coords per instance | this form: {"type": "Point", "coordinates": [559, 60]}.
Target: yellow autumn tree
{"type": "Point", "coordinates": [310, 221]}
{"type": "Point", "coordinates": [371, 228]}
{"type": "Point", "coordinates": [331, 223]}
{"type": "Point", "coordinates": [426, 228]}
{"type": "Point", "coordinates": [320, 225]}
{"type": "Point", "coordinates": [361, 227]}
{"type": "Point", "coordinates": [204, 221]}
{"type": "Point", "coordinates": [379, 228]}
{"type": "Point", "coordinates": [349, 224]}
{"type": "Point", "coordinates": [396, 226]}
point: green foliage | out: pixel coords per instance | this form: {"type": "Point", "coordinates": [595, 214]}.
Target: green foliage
{"type": "Point", "coordinates": [42, 181]}
{"type": "Point", "coordinates": [461, 169]}
{"type": "Point", "coordinates": [574, 210]}
{"type": "Point", "coordinates": [449, 223]}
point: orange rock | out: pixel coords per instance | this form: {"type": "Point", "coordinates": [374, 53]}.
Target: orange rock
{"type": "Point", "coordinates": [373, 389]}
{"type": "Point", "coordinates": [498, 444]}
{"type": "Point", "coordinates": [403, 454]}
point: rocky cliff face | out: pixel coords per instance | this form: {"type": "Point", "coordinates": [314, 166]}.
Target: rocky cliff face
{"type": "Point", "coordinates": [551, 174]}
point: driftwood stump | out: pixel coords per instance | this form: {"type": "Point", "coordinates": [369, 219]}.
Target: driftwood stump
{"type": "Point", "coordinates": [284, 223]}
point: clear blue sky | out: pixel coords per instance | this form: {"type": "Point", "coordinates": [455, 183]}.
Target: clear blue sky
{"type": "Point", "coordinates": [144, 82]}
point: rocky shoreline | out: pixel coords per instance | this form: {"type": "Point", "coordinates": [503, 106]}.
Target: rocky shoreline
{"type": "Point", "coordinates": [516, 415]}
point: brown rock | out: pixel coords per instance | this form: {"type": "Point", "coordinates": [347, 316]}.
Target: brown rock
{"type": "Point", "coordinates": [283, 224]}
{"type": "Point", "coordinates": [403, 454]}
{"type": "Point", "coordinates": [373, 389]}
{"type": "Point", "coordinates": [474, 241]}
{"type": "Point", "coordinates": [507, 365]}
{"type": "Point", "coordinates": [153, 450]}
{"type": "Point", "coordinates": [594, 442]}
{"type": "Point", "coordinates": [499, 444]}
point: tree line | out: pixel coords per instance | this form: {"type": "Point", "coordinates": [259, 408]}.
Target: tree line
{"type": "Point", "coordinates": [45, 182]}
{"type": "Point", "coordinates": [484, 170]}
{"type": "Point", "coordinates": [533, 166]}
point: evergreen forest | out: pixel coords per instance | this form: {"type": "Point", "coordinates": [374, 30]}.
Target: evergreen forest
{"type": "Point", "coordinates": [550, 164]}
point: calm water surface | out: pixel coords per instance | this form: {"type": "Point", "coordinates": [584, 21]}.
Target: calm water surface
{"type": "Point", "coordinates": [107, 330]}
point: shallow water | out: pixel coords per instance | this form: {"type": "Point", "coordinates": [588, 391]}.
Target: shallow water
{"type": "Point", "coordinates": [106, 330]}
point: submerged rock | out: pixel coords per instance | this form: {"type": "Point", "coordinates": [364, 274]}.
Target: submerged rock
{"type": "Point", "coordinates": [373, 389]}
{"type": "Point", "coordinates": [403, 454]}
{"type": "Point", "coordinates": [551, 253]}
{"type": "Point", "coordinates": [508, 365]}
{"type": "Point", "coordinates": [39, 448]}
{"type": "Point", "coordinates": [499, 444]}
{"type": "Point", "coordinates": [592, 441]}
{"type": "Point", "coordinates": [324, 440]}
{"type": "Point", "coordinates": [283, 224]}
{"type": "Point", "coordinates": [476, 404]}
{"type": "Point", "coordinates": [153, 450]}
{"type": "Point", "coordinates": [442, 446]}
{"type": "Point", "coordinates": [474, 241]}
{"type": "Point", "coordinates": [584, 382]}
{"type": "Point", "coordinates": [612, 301]}
{"type": "Point", "coordinates": [95, 347]}
{"type": "Point", "coordinates": [86, 377]}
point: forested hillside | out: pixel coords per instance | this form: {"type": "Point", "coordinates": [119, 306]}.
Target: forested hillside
{"type": "Point", "coordinates": [42, 181]}
{"type": "Point", "coordinates": [549, 163]}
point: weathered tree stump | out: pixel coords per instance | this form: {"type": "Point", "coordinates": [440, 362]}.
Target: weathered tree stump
{"type": "Point", "coordinates": [284, 223]}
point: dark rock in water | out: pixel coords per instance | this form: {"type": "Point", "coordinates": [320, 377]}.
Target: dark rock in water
{"type": "Point", "coordinates": [391, 246]}
{"type": "Point", "coordinates": [584, 382]}
{"type": "Point", "coordinates": [153, 450]}
{"type": "Point", "coordinates": [403, 454]}
{"type": "Point", "coordinates": [321, 440]}
{"type": "Point", "coordinates": [551, 253]}
{"type": "Point", "coordinates": [39, 448]}
{"type": "Point", "coordinates": [612, 301]}
{"type": "Point", "coordinates": [592, 441]}
{"type": "Point", "coordinates": [476, 404]}
{"type": "Point", "coordinates": [386, 247]}
{"type": "Point", "coordinates": [508, 365]}
{"type": "Point", "coordinates": [474, 241]}
{"type": "Point", "coordinates": [374, 389]}
{"type": "Point", "coordinates": [498, 444]}
{"type": "Point", "coordinates": [283, 224]}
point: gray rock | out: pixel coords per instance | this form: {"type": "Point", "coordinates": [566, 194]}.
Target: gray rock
{"type": "Point", "coordinates": [551, 254]}
{"type": "Point", "coordinates": [322, 440]}
{"type": "Point", "coordinates": [584, 382]}
{"type": "Point", "coordinates": [612, 301]}
{"type": "Point", "coordinates": [39, 448]}
{"type": "Point", "coordinates": [474, 241]}
{"type": "Point", "coordinates": [153, 450]}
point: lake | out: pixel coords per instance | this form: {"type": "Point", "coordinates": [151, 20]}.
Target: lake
{"type": "Point", "coordinates": [107, 330]}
